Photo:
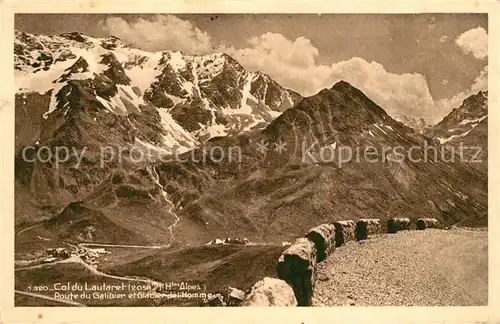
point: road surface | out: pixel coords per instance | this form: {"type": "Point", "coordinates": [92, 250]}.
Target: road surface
{"type": "Point", "coordinates": [411, 268]}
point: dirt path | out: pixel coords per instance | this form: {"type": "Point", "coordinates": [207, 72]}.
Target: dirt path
{"type": "Point", "coordinates": [102, 274]}
{"type": "Point", "coordinates": [48, 264]}
{"type": "Point", "coordinates": [28, 228]}
{"type": "Point", "coordinates": [154, 284]}
{"type": "Point", "coordinates": [93, 270]}
{"type": "Point", "coordinates": [421, 268]}
{"type": "Point", "coordinates": [152, 247]}
{"type": "Point", "coordinates": [63, 301]}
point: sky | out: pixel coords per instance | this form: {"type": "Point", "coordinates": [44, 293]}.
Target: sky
{"type": "Point", "coordinates": [419, 65]}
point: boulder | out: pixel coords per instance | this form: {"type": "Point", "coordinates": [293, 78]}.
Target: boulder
{"type": "Point", "coordinates": [366, 227]}
{"type": "Point", "coordinates": [323, 237]}
{"type": "Point", "coordinates": [344, 232]}
{"type": "Point", "coordinates": [215, 301]}
{"type": "Point", "coordinates": [234, 297]}
{"type": "Point", "coordinates": [423, 223]}
{"type": "Point", "coordinates": [297, 266]}
{"type": "Point", "coordinates": [398, 224]}
{"type": "Point", "coordinates": [270, 292]}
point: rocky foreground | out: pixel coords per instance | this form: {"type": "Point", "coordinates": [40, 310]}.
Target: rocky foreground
{"type": "Point", "coordinates": [409, 268]}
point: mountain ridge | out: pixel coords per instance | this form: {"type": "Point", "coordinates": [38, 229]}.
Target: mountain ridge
{"type": "Point", "coordinates": [177, 84]}
{"type": "Point", "coordinates": [466, 127]}
{"type": "Point", "coordinates": [198, 104]}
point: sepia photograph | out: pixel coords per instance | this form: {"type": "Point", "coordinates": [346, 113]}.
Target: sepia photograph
{"type": "Point", "coordinates": [250, 159]}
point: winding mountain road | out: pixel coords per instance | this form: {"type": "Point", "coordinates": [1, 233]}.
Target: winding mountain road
{"type": "Point", "coordinates": [63, 301]}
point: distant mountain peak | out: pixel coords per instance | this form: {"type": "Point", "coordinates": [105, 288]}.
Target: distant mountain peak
{"type": "Point", "coordinates": [354, 101]}
{"type": "Point", "coordinates": [342, 85]}
{"type": "Point", "coordinates": [112, 42]}
{"type": "Point", "coordinates": [464, 121]}
{"type": "Point", "coordinates": [418, 124]}
{"type": "Point", "coordinates": [341, 109]}
{"type": "Point", "coordinates": [481, 96]}
{"type": "Point", "coordinates": [76, 36]}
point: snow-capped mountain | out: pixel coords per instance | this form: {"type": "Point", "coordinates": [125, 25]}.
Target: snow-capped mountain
{"type": "Point", "coordinates": [417, 124]}
{"type": "Point", "coordinates": [86, 93]}
{"type": "Point", "coordinates": [466, 126]}
{"type": "Point", "coordinates": [196, 97]}
{"type": "Point", "coordinates": [213, 95]}
{"type": "Point", "coordinates": [462, 120]}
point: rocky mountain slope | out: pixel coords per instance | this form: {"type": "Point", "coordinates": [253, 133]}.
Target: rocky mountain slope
{"type": "Point", "coordinates": [466, 126]}
{"type": "Point", "coordinates": [207, 95]}
{"type": "Point", "coordinates": [291, 191]}
{"type": "Point", "coordinates": [462, 120]}
{"type": "Point", "coordinates": [276, 165]}
{"type": "Point", "coordinates": [86, 93]}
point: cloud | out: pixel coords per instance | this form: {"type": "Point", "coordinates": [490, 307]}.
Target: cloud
{"type": "Point", "coordinates": [481, 81]}
{"type": "Point", "coordinates": [444, 106]}
{"type": "Point", "coordinates": [445, 82]}
{"type": "Point", "coordinates": [398, 94]}
{"type": "Point", "coordinates": [161, 32]}
{"type": "Point", "coordinates": [475, 42]}
{"type": "Point", "coordinates": [443, 38]}
{"type": "Point", "coordinates": [292, 63]}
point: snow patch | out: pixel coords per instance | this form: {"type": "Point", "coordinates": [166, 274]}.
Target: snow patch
{"type": "Point", "coordinates": [53, 99]}
{"type": "Point", "coordinates": [380, 129]}
{"type": "Point", "coordinates": [476, 121]}
{"type": "Point", "coordinates": [114, 105]}
{"type": "Point", "coordinates": [244, 107]}
{"type": "Point", "coordinates": [82, 76]}
{"type": "Point", "coordinates": [274, 114]}
{"type": "Point", "coordinates": [126, 90]}
{"type": "Point", "coordinates": [176, 100]}
{"type": "Point", "coordinates": [445, 140]}
{"type": "Point", "coordinates": [40, 82]}
{"type": "Point", "coordinates": [176, 136]}
{"type": "Point", "coordinates": [177, 61]}
{"type": "Point", "coordinates": [150, 149]}
{"type": "Point", "coordinates": [92, 57]}
{"type": "Point", "coordinates": [214, 130]}
{"type": "Point", "coordinates": [143, 76]}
